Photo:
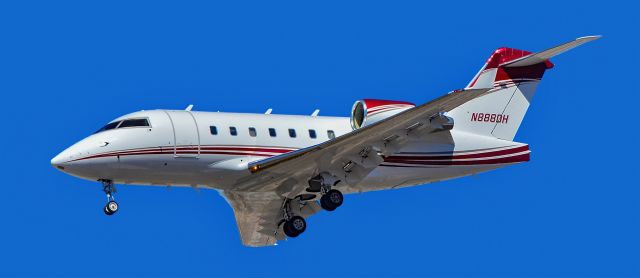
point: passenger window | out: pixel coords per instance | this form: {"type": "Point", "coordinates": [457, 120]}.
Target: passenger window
{"type": "Point", "coordinates": [134, 123]}
{"type": "Point", "coordinates": [312, 134]}
{"type": "Point", "coordinates": [331, 134]}
{"type": "Point", "coordinates": [214, 130]}
{"type": "Point", "coordinates": [292, 133]}
{"type": "Point", "coordinates": [252, 132]}
{"type": "Point", "coordinates": [233, 131]}
{"type": "Point", "coordinates": [272, 132]}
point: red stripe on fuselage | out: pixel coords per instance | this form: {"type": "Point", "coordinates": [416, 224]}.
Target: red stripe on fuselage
{"type": "Point", "coordinates": [438, 159]}
{"type": "Point", "coordinates": [253, 151]}
{"type": "Point", "coordinates": [502, 160]}
{"type": "Point", "coordinates": [463, 156]}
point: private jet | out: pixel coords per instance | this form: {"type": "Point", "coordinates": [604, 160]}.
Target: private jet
{"type": "Point", "coordinates": [277, 170]}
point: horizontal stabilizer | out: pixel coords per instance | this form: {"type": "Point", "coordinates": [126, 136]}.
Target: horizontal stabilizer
{"type": "Point", "coordinates": [540, 57]}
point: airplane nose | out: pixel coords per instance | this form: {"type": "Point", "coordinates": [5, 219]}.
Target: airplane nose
{"type": "Point", "coordinates": [71, 160]}
{"type": "Point", "coordinates": [58, 161]}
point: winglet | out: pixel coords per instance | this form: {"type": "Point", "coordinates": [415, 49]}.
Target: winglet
{"type": "Point", "coordinates": [536, 58]}
{"type": "Point", "coordinates": [189, 107]}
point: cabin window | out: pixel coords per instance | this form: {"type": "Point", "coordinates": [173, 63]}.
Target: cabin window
{"type": "Point", "coordinates": [331, 134]}
{"type": "Point", "coordinates": [272, 132]}
{"type": "Point", "coordinates": [233, 131]}
{"type": "Point", "coordinates": [213, 129]}
{"type": "Point", "coordinates": [312, 134]}
{"type": "Point", "coordinates": [134, 123]}
{"type": "Point", "coordinates": [252, 132]}
{"type": "Point", "coordinates": [292, 133]}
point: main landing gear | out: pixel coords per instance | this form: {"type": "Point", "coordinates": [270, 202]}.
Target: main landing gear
{"type": "Point", "coordinates": [109, 188]}
{"type": "Point", "coordinates": [331, 200]}
{"type": "Point", "coordinates": [293, 225]}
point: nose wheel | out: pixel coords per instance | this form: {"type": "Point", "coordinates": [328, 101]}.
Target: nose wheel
{"type": "Point", "coordinates": [110, 208]}
{"type": "Point", "coordinates": [109, 189]}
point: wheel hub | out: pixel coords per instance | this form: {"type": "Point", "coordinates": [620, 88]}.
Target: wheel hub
{"type": "Point", "coordinates": [113, 206]}
{"type": "Point", "coordinates": [335, 198]}
{"type": "Point", "coordinates": [298, 224]}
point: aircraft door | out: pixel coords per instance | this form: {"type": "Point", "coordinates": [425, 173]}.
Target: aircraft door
{"type": "Point", "coordinates": [186, 136]}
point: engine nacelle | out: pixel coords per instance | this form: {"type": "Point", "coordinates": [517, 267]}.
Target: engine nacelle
{"type": "Point", "coordinates": [369, 111]}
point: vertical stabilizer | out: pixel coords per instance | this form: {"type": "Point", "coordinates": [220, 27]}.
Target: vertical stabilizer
{"type": "Point", "coordinates": [513, 76]}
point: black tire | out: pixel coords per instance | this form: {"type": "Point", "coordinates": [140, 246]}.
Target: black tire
{"type": "Point", "coordinates": [295, 226]}
{"type": "Point", "coordinates": [112, 206]}
{"type": "Point", "coordinates": [107, 211]}
{"type": "Point", "coordinates": [325, 204]}
{"type": "Point", "coordinates": [287, 231]}
{"type": "Point", "coordinates": [332, 200]}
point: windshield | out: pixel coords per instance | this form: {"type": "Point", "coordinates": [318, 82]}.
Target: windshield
{"type": "Point", "coordinates": [134, 123]}
{"type": "Point", "coordinates": [125, 123]}
{"type": "Point", "coordinates": [108, 126]}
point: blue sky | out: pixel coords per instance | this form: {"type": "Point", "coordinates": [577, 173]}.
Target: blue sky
{"type": "Point", "coordinates": [66, 68]}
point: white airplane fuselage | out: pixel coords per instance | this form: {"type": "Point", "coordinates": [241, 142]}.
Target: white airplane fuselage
{"type": "Point", "coordinates": [178, 148]}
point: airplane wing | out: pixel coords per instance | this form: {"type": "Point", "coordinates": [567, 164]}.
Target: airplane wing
{"type": "Point", "coordinates": [258, 199]}
{"type": "Point", "coordinates": [357, 148]}
{"type": "Point", "coordinates": [256, 216]}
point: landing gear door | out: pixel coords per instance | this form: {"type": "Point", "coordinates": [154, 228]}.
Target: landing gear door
{"type": "Point", "coordinates": [186, 134]}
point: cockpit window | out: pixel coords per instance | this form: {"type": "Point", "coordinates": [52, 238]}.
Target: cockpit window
{"type": "Point", "coordinates": [126, 123]}
{"type": "Point", "coordinates": [135, 123]}
{"type": "Point", "coordinates": [109, 126]}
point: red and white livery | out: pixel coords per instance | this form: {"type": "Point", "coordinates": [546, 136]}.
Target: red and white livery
{"type": "Point", "coordinates": [277, 170]}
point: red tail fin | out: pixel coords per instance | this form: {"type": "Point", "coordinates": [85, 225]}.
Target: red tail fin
{"type": "Point", "coordinates": [509, 65]}
{"type": "Point", "coordinates": [493, 73]}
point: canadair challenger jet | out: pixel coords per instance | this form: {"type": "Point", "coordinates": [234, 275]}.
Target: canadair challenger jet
{"type": "Point", "coordinates": [277, 170]}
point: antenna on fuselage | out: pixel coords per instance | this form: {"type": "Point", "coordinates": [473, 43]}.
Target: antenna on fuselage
{"type": "Point", "coordinates": [189, 107]}
{"type": "Point", "coordinates": [315, 113]}
{"type": "Point", "coordinates": [268, 111]}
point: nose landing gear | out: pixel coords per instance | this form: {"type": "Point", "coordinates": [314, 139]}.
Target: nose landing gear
{"type": "Point", "coordinates": [110, 208]}
{"type": "Point", "coordinates": [110, 189]}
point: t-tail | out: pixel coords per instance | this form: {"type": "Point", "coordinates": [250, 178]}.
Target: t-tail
{"type": "Point", "coordinates": [513, 76]}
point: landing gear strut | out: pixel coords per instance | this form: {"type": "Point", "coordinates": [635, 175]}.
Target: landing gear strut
{"type": "Point", "coordinates": [109, 188]}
